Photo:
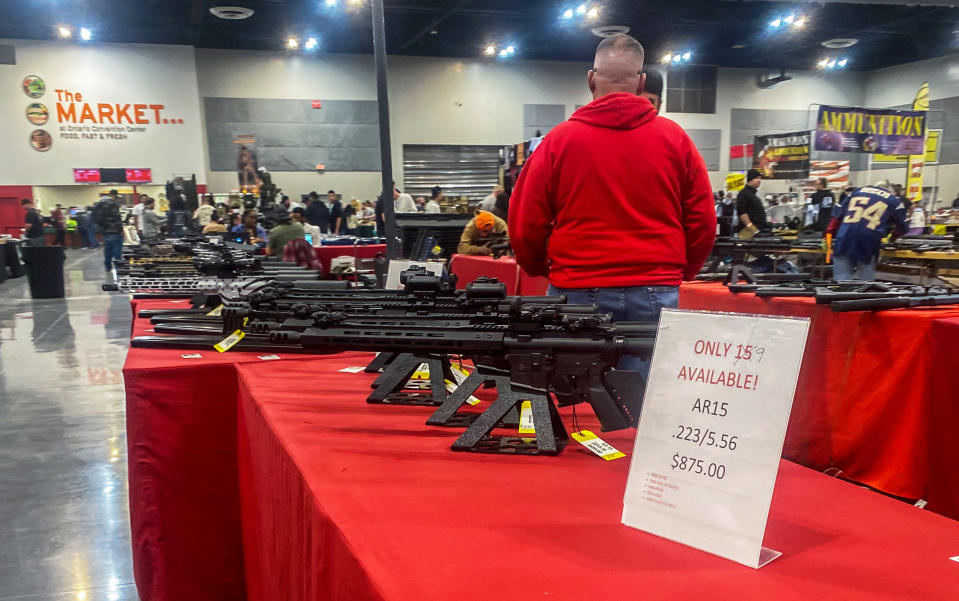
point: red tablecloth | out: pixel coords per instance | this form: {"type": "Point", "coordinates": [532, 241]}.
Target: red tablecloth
{"type": "Point", "coordinates": [943, 492]}
{"type": "Point", "coordinates": [182, 450]}
{"type": "Point", "coordinates": [468, 267]}
{"type": "Point", "coordinates": [865, 402]}
{"type": "Point", "coordinates": [344, 500]}
{"type": "Point", "coordinates": [326, 253]}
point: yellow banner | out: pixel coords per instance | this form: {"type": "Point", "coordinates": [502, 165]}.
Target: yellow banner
{"type": "Point", "coordinates": [932, 151]}
{"type": "Point", "coordinates": [914, 172]}
{"type": "Point", "coordinates": [735, 181]}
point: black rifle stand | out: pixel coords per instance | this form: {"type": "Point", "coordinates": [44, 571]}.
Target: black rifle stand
{"type": "Point", "coordinates": [379, 362]}
{"type": "Point", "coordinates": [551, 435]}
{"type": "Point", "coordinates": [447, 414]}
{"type": "Point", "coordinates": [389, 387]}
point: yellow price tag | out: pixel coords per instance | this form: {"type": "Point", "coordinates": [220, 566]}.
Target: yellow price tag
{"type": "Point", "coordinates": [526, 418]}
{"type": "Point", "coordinates": [216, 312]}
{"type": "Point", "coordinates": [422, 372]}
{"type": "Point", "coordinates": [230, 341]}
{"type": "Point", "coordinates": [597, 445]}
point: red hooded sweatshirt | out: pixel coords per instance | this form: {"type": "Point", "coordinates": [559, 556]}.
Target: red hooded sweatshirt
{"type": "Point", "coordinates": [616, 196]}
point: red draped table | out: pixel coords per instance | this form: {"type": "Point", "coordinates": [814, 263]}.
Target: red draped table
{"type": "Point", "coordinates": [182, 450]}
{"type": "Point", "coordinates": [870, 400]}
{"type": "Point", "coordinates": [469, 267]}
{"type": "Point", "coordinates": [327, 253]}
{"type": "Point", "coordinates": [344, 500]}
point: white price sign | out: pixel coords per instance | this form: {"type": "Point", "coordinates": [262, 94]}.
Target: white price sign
{"type": "Point", "coordinates": [711, 431]}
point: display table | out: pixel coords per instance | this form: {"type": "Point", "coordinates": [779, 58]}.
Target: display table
{"type": "Point", "coordinates": [326, 254]}
{"type": "Point", "coordinates": [469, 267]}
{"type": "Point", "coordinates": [182, 454]}
{"type": "Point", "coordinates": [344, 500]}
{"type": "Point", "coordinates": [865, 402]}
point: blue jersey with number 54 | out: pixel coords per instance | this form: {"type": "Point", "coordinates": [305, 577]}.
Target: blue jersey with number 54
{"type": "Point", "coordinates": [865, 219]}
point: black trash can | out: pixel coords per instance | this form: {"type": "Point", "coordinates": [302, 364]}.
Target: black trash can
{"type": "Point", "coordinates": [11, 258]}
{"type": "Point", "coordinates": [44, 270]}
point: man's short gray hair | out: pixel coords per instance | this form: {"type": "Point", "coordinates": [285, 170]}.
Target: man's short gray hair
{"type": "Point", "coordinates": [621, 42]}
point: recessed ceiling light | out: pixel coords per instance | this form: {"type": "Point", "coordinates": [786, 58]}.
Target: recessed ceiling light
{"type": "Point", "coordinates": [292, 43]}
{"type": "Point", "coordinates": [231, 13]}
{"type": "Point", "coordinates": [607, 31]}
{"type": "Point", "coordinates": [85, 34]}
{"type": "Point", "coordinates": [64, 32]}
{"type": "Point", "coordinates": [738, 46]}
{"type": "Point", "coordinates": [434, 32]}
{"type": "Point", "coordinates": [840, 42]}
{"type": "Point", "coordinates": [490, 50]}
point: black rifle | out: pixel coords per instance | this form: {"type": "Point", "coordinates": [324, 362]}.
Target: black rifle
{"type": "Point", "coordinates": [898, 302]}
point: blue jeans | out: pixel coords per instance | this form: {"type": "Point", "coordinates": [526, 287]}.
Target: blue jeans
{"type": "Point", "coordinates": [112, 249]}
{"type": "Point", "coordinates": [635, 303]}
{"type": "Point", "coordinates": [844, 269]}
{"type": "Point", "coordinates": [91, 238]}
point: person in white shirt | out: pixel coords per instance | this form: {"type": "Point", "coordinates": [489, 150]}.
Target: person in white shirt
{"type": "Point", "coordinates": [489, 202]}
{"type": "Point", "coordinates": [432, 206]}
{"type": "Point", "coordinates": [298, 215]}
{"type": "Point", "coordinates": [138, 212]}
{"type": "Point", "coordinates": [204, 211]}
{"type": "Point", "coordinates": [403, 203]}
{"type": "Point", "coordinates": [917, 220]}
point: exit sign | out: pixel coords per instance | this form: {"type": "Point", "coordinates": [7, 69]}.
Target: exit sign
{"type": "Point", "coordinates": [317, 104]}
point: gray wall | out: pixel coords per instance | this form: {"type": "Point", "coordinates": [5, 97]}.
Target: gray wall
{"type": "Point", "coordinates": [542, 118]}
{"type": "Point", "coordinates": [293, 136]}
{"type": "Point", "coordinates": [708, 142]}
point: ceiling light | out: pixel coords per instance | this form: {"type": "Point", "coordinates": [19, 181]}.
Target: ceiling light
{"type": "Point", "coordinates": [503, 53]}
{"type": "Point", "coordinates": [843, 62]}
{"type": "Point", "coordinates": [840, 42]}
{"type": "Point", "coordinates": [292, 44]}
{"type": "Point", "coordinates": [788, 19]}
{"type": "Point", "coordinates": [775, 22]}
{"type": "Point", "coordinates": [231, 13]}
{"type": "Point", "coordinates": [799, 23]}
{"type": "Point", "coordinates": [510, 50]}
{"type": "Point", "coordinates": [568, 14]}
{"type": "Point", "coordinates": [85, 34]}
{"type": "Point", "coordinates": [356, 1]}
{"type": "Point", "coordinates": [677, 58]}
{"type": "Point", "coordinates": [581, 9]}
{"type": "Point", "coordinates": [311, 44]}
{"type": "Point", "coordinates": [831, 64]}
{"type": "Point", "coordinates": [64, 32]}
{"type": "Point", "coordinates": [687, 56]}
{"type": "Point", "coordinates": [593, 13]}
{"type": "Point", "coordinates": [490, 50]}
{"type": "Point", "coordinates": [331, 2]}
{"type": "Point", "coordinates": [667, 57]}
{"type": "Point", "coordinates": [823, 63]}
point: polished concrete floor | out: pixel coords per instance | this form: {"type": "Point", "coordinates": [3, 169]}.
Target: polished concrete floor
{"type": "Point", "coordinates": [64, 518]}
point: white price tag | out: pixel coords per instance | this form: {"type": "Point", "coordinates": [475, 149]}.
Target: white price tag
{"type": "Point", "coordinates": [352, 370]}
{"type": "Point", "coordinates": [192, 356]}
{"type": "Point", "coordinates": [268, 357]}
{"type": "Point", "coordinates": [460, 374]}
{"type": "Point", "coordinates": [711, 431]}
{"type": "Point", "coordinates": [526, 418]}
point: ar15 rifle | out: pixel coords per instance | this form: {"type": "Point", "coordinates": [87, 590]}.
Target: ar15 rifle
{"type": "Point", "coordinates": [574, 360]}
{"type": "Point", "coordinates": [498, 243]}
{"type": "Point", "coordinates": [899, 302]}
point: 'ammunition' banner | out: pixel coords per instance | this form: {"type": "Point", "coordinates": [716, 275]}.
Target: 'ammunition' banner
{"type": "Point", "coordinates": [887, 131]}
{"type": "Point", "coordinates": [782, 156]}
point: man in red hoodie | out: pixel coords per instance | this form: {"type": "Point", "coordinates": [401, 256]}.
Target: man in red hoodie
{"type": "Point", "coordinates": [615, 205]}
